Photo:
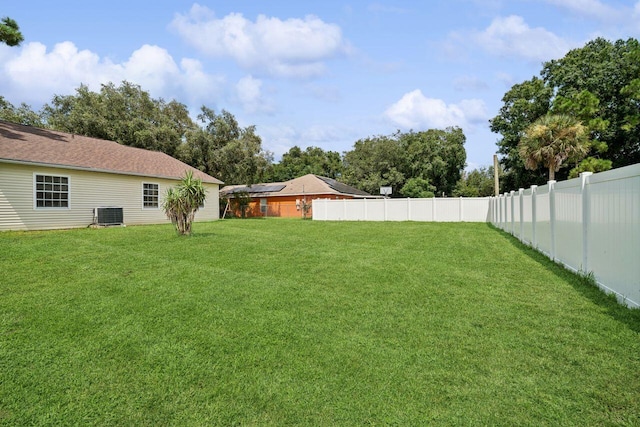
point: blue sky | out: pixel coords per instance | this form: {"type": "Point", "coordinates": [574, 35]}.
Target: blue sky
{"type": "Point", "coordinates": [309, 73]}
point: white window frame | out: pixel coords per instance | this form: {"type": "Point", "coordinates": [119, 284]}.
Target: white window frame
{"type": "Point", "coordinates": [35, 191]}
{"type": "Point", "coordinates": [145, 195]}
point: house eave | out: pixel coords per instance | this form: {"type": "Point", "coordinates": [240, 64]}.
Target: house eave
{"type": "Point", "coordinates": [85, 169]}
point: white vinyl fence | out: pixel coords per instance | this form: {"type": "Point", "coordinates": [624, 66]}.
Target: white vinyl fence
{"type": "Point", "coordinates": [590, 224]}
{"type": "Point", "coordinates": [434, 209]}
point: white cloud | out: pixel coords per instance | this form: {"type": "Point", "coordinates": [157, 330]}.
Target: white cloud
{"type": "Point", "coordinates": [197, 86]}
{"type": "Point", "coordinates": [35, 70]}
{"type": "Point", "coordinates": [416, 111]}
{"type": "Point", "coordinates": [34, 74]}
{"type": "Point", "coordinates": [290, 48]}
{"type": "Point", "coordinates": [512, 37]}
{"type": "Point", "coordinates": [249, 92]}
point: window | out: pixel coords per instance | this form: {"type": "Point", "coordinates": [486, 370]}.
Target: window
{"type": "Point", "coordinates": [149, 195]}
{"type": "Point", "coordinates": [52, 191]}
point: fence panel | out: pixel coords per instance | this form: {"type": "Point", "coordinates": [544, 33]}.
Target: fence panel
{"type": "Point", "coordinates": [527, 217]}
{"type": "Point", "coordinates": [353, 211]}
{"type": "Point", "coordinates": [476, 209]}
{"type": "Point", "coordinates": [396, 210]}
{"type": "Point", "coordinates": [421, 210]}
{"type": "Point", "coordinates": [447, 210]}
{"type": "Point", "coordinates": [515, 200]}
{"type": "Point", "coordinates": [613, 240]}
{"type": "Point", "coordinates": [543, 220]}
{"type": "Point", "coordinates": [568, 216]}
{"type": "Point", "coordinates": [433, 209]}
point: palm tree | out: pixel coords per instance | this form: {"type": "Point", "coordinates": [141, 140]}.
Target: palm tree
{"type": "Point", "coordinates": [183, 201]}
{"type": "Point", "coordinates": [552, 140]}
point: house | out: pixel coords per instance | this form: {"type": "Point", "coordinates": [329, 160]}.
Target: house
{"type": "Point", "coordinates": [51, 179]}
{"type": "Point", "coordinates": [289, 198]}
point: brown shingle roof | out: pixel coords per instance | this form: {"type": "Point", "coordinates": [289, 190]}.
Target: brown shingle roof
{"type": "Point", "coordinates": [26, 144]}
{"type": "Point", "coordinates": [305, 185]}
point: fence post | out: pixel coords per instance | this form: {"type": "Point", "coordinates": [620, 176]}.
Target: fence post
{"type": "Point", "coordinates": [499, 205]}
{"type": "Point", "coordinates": [552, 217]}
{"type": "Point", "coordinates": [366, 216]}
{"type": "Point", "coordinates": [344, 209]}
{"type": "Point", "coordinates": [586, 218]}
{"type": "Point", "coordinates": [492, 207]}
{"type": "Point", "coordinates": [385, 208]}
{"type": "Point", "coordinates": [521, 204]}
{"type": "Point", "coordinates": [506, 212]}
{"type": "Point", "coordinates": [492, 210]}
{"type": "Point", "coordinates": [408, 208]}
{"type": "Point", "coordinates": [534, 236]}
{"type": "Point", "coordinates": [433, 209]}
{"type": "Point", "coordinates": [513, 209]}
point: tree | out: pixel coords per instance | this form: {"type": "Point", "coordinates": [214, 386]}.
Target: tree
{"type": "Point", "coordinates": [553, 140]}
{"type": "Point", "coordinates": [183, 201]}
{"type": "Point", "coordinates": [315, 160]}
{"type": "Point", "coordinates": [225, 150]}
{"type": "Point", "coordinates": [125, 114]}
{"type": "Point", "coordinates": [23, 114]}
{"type": "Point", "coordinates": [590, 164]}
{"type": "Point", "coordinates": [10, 32]}
{"type": "Point", "coordinates": [477, 183]}
{"type": "Point", "coordinates": [375, 162]}
{"type": "Point", "coordinates": [417, 188]}
{"type": "Point", "coordinates": [435, 156]}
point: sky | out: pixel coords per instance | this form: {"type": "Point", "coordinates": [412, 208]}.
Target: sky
{"type": "Point", "coordinates": [323, 73]}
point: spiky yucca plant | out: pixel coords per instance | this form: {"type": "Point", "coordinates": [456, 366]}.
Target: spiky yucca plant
{"type": "Point", "coordinates": [183, 201]}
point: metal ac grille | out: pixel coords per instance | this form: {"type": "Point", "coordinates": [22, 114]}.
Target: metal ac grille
{"type": "Point", "coordinates": [109, 216]}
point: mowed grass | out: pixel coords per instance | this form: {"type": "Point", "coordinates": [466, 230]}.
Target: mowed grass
{"type": "Point", "coordinates": [291, 322]}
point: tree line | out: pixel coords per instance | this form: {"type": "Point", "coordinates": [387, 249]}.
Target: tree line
{"type": "Point", "coordinates": [414, 164]}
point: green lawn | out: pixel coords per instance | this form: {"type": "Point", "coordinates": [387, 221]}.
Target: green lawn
{"type": "Point", "coordinates": [291, 322]}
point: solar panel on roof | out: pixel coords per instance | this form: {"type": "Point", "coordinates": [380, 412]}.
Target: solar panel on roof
{"type": "Point", "coordinates": [258, 189]}
{"type": "Point", "coordinates": [266, 188]}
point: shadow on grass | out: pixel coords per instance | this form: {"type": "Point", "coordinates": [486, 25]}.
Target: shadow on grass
{"type": "Point", "coordinates": [584, 285]}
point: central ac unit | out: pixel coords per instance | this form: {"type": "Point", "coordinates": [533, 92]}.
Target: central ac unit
{"type": "Point", "coordinates": [108, 216]}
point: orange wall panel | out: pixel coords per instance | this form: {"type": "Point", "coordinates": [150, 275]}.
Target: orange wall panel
{"type": "Point", "coordinates": [282, 206]}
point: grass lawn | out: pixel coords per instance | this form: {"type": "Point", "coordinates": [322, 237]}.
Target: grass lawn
{"type": "Point", "coordinates": [291, 322]}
